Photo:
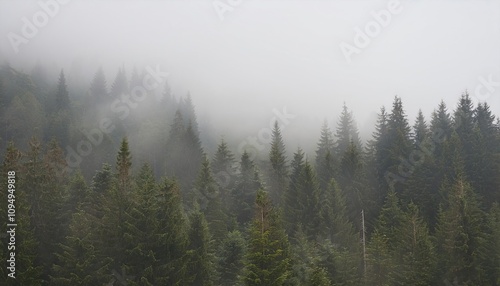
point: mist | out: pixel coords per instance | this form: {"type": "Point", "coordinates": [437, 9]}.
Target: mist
{"type": "Point", "coordinates": [250, 142]}
{"type": "Point", "coordinates": [241, 61]}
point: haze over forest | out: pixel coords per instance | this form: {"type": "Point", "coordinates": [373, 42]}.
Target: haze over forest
{"type": "Point", "coordinates": [267, 54]}
{"type": "Point", "coordinates": [235, 142]}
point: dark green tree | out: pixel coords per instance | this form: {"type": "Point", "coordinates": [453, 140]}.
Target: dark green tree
{"type": "Point", "coordinates": [200, 267]}
{"type": "Point", "coordinates": [324, 156]}
{"type": "Point", "coordinates": [268, 257]}
{"type": "Point", "coordinates": [485, 156]}
{"type": "Point", "coordinates": [230, 257]}
{"type": "Point", "coordinates": [223, 168]}
{"type": "Point", "coordinates": [352, 182]}
{"type": "Point", "coordinates": [46, 197]}
{"type": "Point", "coordinates": [399, 146]}
{"type": "Point", "coordinates": [207, 195]}
{"type": "Point", "coordinates": [420, 130]}
{"type": "Point", "coordinates": [62, 96]}
{"type": "Point", "coordinates": [28, 272]}
{"type": "Point", "coordinates": [415, 255]}
{"type": "Point", "coordinates": [245, 190]}
{"type": "Point", "coordinates": [346, 132]}
{"type": "Point", "coordinates": [293, 206]}
{"type": "Point", "coordinates": [278, 173]}
{"type": "Point", "coordinates": [493, 246]}
{"type": "Point", "coordinates": [379, 156]}
{"type": "Point", "coordinates": [441, 126]}
{"type": "Point", "coordinates": [460, 235]}
{"type": "Point", "coordinates": [172, 234]}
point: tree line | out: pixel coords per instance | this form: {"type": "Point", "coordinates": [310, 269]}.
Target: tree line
{"type": "Point", "coordinates": [429, 193]}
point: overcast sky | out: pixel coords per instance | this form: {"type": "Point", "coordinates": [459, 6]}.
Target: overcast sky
{"type": "Point", "coordinates": [259, 55]}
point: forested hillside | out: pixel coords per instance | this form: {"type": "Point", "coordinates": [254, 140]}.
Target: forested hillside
{"type": "Point", "coordinates": [117, 188]}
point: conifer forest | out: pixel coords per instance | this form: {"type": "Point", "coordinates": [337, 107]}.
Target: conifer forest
{"type": "Point", "coordinates": [126, 172]}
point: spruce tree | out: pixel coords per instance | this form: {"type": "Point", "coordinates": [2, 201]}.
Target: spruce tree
{"type": "Point", "coordinates": [46, 196]}
{"type": "Point", "coordinates": [346, 132]}
{"type": "Point", "coordinates": [352, 182]}
{"type": "Point", "coordinates": [460, 235]}
{"type": "Point", "coordinates": [278, 172]}
{"type": "Point", "coordinates": [142, 232]}
{"type": "Point", "coordinates": [441, 126]}
{"type": "Point", "coordinates": [230, 257]}
{"type": "Point", "coordinates": [245, 190]}
{"type": "Point", "coordinates": [28, 272]}
{"type": "Point", "coordinates": [399, 143]}
{"type": "Point", "coordinates": [98, 88]}
{"type": "Point", "coordinates": [324, 156]}
{"type": "Point", "coordinates": [378, 150]}
{"type": "Point", "coordinates": [415, 255]}
{"type": "Point", "coordinates": [117, 202]}
{"type": "Point", "coordinates": [119, 86]}
{"type": "Point", "coordinates": [200, 267]}
{"type": "Point", "coordinates": [267, 258]}
{"type": "Point", "coordinates": [172, 229]}
{"type": "Point", "coordinates": [62, 96]}
{"type": "Point", "coordinates": [207, 195]}
{"type": "Point", "coordinates": [485, 158]}
{"type": "Point", "coordinates": [293, 205]}
{"type": "Point", "coordinates": [224, 172]}
{"type": "Point", "coordinates": [188, 112]}
{"type": "Point", "coordinates": [493, 246]}
{"type": "Point", "coordinates": [420, 130]}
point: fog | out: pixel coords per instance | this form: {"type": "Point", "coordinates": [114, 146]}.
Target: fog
{"type": "Point", "coordinates": [239, 60]}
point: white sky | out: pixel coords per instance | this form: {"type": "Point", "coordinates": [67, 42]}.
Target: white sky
{"type": "Point", "coordinates": [271, 54]}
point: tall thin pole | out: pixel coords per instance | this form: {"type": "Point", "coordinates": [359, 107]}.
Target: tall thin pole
{"type": "Point", "coordinates": [364, 242]}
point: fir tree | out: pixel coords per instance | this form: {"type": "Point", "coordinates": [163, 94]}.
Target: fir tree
{"type": "Point", "coordinates": [172, 231]}
{"type": "Point", "coordinates": [293, 205]}
{"type": "Point", "coordinates": [319, 277]}
{"type": "Point", "coordinates": [268, 258]}
{"type": "Point", "coordinates": [45, 196]}
{"type": "Point", "coordinates": [399, 142]}
{"type": "Point", "coordinates": [98, 87]}
{"type": "Point", "coordinates": [223, 168]}
{"type": "Point", "coordinates": [200, 265]}
{"type": "Point", "coordinates": [62, 96]}
{"type": "Point", "coordinates": [230, 258]}
{"type": "Point", "coordinates": [188, 112]}
{"type": "Point", "coordinates": [460, 234]}
{"type": "Point", "coordinates": [493, 246]}
{"type": "Point", "coordinates": [27, 271]}
{"type": "Point", "coordinates": [441, 126]}
{"type": "Point", "coordinates": [379, 153]}
{"type": "Point", "coordinates": [420, 130]}
{"type": "Point", "coordinates": [415, 252]}
{"type": "Point", "coordinates": [351, 181]}
{"type": "Point", "coordinates": [245, 190]}
{"type": "Point", "coordinates": [208, 196]}
{"type": "Point", "coordinates": [119, 86]}
{"type": "Point", "coordinates": [324, 156]}
{"type": "Point", "coordinates": [278, 172]}
{"type": "Point", "coordinates": [346, 132]}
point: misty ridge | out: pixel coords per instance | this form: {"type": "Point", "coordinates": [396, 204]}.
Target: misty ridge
{"type": "Point", "coordinates": [233, 142]}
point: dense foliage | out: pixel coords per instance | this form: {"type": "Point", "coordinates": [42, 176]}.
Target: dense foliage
{"type": "Point", "coordinates": [145, 204]}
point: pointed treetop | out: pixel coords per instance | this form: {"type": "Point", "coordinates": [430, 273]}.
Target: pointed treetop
{"type": "Point", "coordinates": [123, 160]}
{"type": "Point", "coordinates": [62, 96]}
{"type": "Point", "coordinates": [98, 86]}
{"type": "Point", "coordinates": [277, 153]}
